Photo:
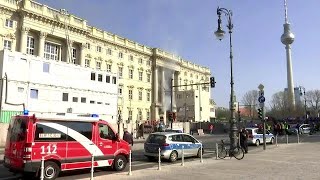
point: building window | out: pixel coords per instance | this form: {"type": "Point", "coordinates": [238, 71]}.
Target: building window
{"type": "Point", "coordinates": [7, 44]}
{"type": "Point", "coordinates": [88, 45]}
{"type": "Point", "coordinates": [100, 77]}
{"type": "Point", "coordinates": [120, 55]}
{"type": "Point", "coordinates": [120, 71]}
{"type": "Point", "coordinates": [130, 57]}
{"type": "Point", "coordinates": [140, 76]}
{"type": "Point", "coordinates": [93, 76]}
{"type": "Point", "coordinates": [148, 77]}
{"type": "Point", "coordinates": [98, 48]}
{"type": "Point", "coordinates": [30, 45]}
{"type": "Point", "coordinates": [140, 61]}
{"type": "Point", "coordinates": [197, 77]}
{"type": "Point", "coordinates": [51, 51]}
{"type": "Point", "coordinates": [65, 96]}
{"type": "Point", "coordinates": [130, 115]}
{"type": "Point", "coordinates": [34, 93]}
{"type": "Point", "coordinates": [109, 51]}
{"type": "Point", "coordinates": [108, 67]}
{"type": "Point", "coordinates": [191, 75]}
{"type": "Point", "coordinates": [46, 67]}
{"type": "Point", "coordinates": [86, 63]}
{"type": "Point", "coordinates": [140, 95]}
{"type": "Point", "coordinates": [98, 65]}
{"type": "Point", "coordinates": [9, 23]}
{"type": "Point", "coordinates": [114, 80]}
{"type": "Point", "coordinates": [148, 96]}
{"type": "Point", "coordinates": [74, 99]}
{"type": "Point", "coordinates": [139, 114]}
{"type": "Point", "coordinates": [107, 79]}
{"type": "Point", "coordinates": [148, 115]}
{"type": "Point", "coordinates": [83, 100]}
{"type": "Point", "coordinates": [148, 63]}
{"type": "Point", "coordinates": [92, 102]}
{"type": "Point", "coordinates": [74, 56]}
{"type": "Point", "coordinates": [185, 73]}
{"type": "Point", "coordinates": [130, 73]}
{"type": "Point", "coordinates": [130, 94]}
{"type": "Point", "coordinates": [120, 91]}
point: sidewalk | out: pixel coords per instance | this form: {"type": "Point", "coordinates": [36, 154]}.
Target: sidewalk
{"type": "Point", "coordinates": [285, 162]}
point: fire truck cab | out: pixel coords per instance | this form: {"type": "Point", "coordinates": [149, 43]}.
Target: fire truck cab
{"type": "Point", "coordinates": [65, 143]}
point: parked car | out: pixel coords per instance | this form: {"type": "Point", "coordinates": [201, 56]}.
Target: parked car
{"type": "Point", "coordinates": [304, 129]}
{"type": "Point", "coordinates": [256, 136]}
{"type": "Point", "coordinates": [171, 145]}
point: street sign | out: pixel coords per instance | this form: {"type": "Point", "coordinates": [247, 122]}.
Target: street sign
{"type": "Point", "coordinates": [261, 99]}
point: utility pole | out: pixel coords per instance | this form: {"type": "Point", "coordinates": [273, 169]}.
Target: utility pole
{"type": "Point", "coordinates": [171, 100]}
{"type": "Point", "coordinates": [261, 100]}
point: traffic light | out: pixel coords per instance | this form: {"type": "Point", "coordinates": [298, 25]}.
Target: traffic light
{"type": "Point", "coordinates": [212, 82]}
{"type": "Point", "coordinates": [170, 116]}
{"type": "Point", "coordinates": [260, 113]}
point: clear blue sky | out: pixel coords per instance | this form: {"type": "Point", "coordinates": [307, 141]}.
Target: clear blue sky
{"type": "Point", "coordinates": [186, 27]}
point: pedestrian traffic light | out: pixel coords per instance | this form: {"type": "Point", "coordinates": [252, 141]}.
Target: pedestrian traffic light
{"type": "Point", "coordinates": [212, 82]}
{"type": "Point", "coordinates": [260, 113]}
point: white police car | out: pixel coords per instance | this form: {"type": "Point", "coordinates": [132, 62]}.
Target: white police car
{"type": "Point", "coordinates": [256, 136]}
{"type": "Point", "coordinates": [171, 145]}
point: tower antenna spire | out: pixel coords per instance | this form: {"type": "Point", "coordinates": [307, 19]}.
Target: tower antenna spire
{"type": "Point", "coordinates": [285, 12]}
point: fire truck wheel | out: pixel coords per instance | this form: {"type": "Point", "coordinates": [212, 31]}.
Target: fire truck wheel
{"type": "Point", "coordinates": [119, 163]}
{"type": "Point", "coordinates": [51, 170]}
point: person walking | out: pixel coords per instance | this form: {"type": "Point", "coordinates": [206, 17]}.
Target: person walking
{"type": "Point", "coordinates": [211, 128]}
{"type": "Point", "coordinates": [128, 137]}
{"type": "Point", "coordinates": [243, 139]}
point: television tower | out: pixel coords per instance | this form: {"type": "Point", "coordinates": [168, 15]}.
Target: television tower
{"type": "Point", "coordinates": [287, 39]}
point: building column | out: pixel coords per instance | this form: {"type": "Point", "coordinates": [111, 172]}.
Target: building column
{"type": "Point", "coordinates": [162, 88]}
{"type": "Point", "coordinates": [174, 90]}
{"type": "Point", "coordinates": [82, 54]}
{"type": "Point", "coordinates": [155, 94]}
{"type": "Point", "coordinates": [23, 39]}
{"type": "Point", "coordinates": [68, 51]}
{"type": "Point", "coordinates": [42, 38]}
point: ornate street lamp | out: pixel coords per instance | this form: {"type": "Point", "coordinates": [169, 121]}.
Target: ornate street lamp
{"type": "Point", "coordinates": [220, 34]}
{"type": "Point", "coordinates": [305, 100]}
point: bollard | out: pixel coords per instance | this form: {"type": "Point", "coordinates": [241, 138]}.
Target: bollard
{"type": "Point", "coordinates": [239, 139]}
{"type": "Point", "coordinates": [201, 160]}
{"type": "Point", "coordinates": [130, 165]}
{"type": "Point", "coordinates": [276, 139]}
{"type": "Point", "coordinates": [42, 169]}
{"type": "Point", "coordinates": [298, 137]}
{"type": "Point", "coordinates": [182, 157]}
{"type": "Point", "coordinates": [159, 159]}
{"type": "Point", "coordinates": [92, 167]}
{"type": "Point", "coordinates": [287, 137]}
{"type": "Point", "coordinates": [217, 150]}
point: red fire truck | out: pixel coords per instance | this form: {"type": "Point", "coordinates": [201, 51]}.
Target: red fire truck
{"type": "Point", "coordinates": [65, 143]}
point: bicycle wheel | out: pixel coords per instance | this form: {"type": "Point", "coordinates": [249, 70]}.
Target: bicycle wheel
{"type": "Point", "coordinates": [222, 152]}
{"type": "Point", "coordinates": [237, 152]}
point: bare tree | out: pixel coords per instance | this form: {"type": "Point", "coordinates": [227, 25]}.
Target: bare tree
{"type": "Point", "coordinates": [313, 101]}
{"type": "Point", "coordinates": [249, 101]}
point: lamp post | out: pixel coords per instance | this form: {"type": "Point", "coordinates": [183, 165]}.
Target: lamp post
{"type": "Point", "coordinates": [219, 34]}
{"type": "Point", "coordinates": [305, 100]}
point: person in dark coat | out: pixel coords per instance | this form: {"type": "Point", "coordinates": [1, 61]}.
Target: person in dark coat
{"type": "Point", "coordinates": [243, 139]}
{"type": "Point", "coordinates": [128, 137]}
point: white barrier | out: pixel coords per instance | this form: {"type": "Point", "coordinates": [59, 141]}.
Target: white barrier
{"type": "Point", "coordinates": [42, 169]}
{"type": "Point", "coordinates": [287, 138]}
{"type": "Point", "coordinates": [276, 139]}
{"type": "Point", "coordinates": [159, 159]}
{"type": "Point", "coordinates": [182, 157]}
{"type": "Point", "coordinates": [130, 165]}
{"type": "Point", "coordinates": [92, 167]}
{"type": "Point", "coordinates": [298, 137]}
{"type": "Point", "coordinates": [217, 150]}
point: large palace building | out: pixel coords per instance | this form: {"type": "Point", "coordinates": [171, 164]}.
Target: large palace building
{"type": "Point", "coordinates": [144, 74]}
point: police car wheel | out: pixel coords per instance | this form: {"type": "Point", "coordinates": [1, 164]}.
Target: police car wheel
{"type": "Point", "coordinates": [51, 170]}
{"type": "Point", "coordinates": [119, 163]}
{"type": "Point", "coordinates": [257, 143]}
{"type": "Point", "coordinates": [173, 156]}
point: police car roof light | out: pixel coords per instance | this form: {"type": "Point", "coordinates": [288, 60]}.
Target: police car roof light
{"type": "Point", "coordinates": [94, 115]}
{"type": "Point", "coordinates": [25, 112]}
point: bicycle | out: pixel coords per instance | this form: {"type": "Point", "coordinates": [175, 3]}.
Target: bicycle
{"type": "Point", "coordinates": [236, 152]}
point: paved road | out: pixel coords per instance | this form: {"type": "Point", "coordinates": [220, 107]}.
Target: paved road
{"type": "Point", "coordinates": [140, 162]}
